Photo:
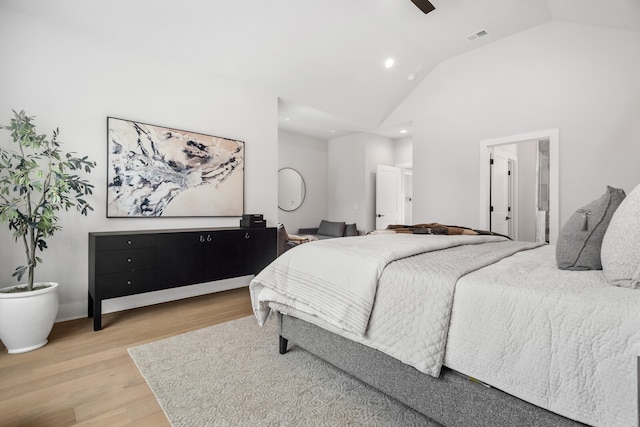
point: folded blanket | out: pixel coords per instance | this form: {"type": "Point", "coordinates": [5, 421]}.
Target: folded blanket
{"type": "Point", "coordinates": [337, 278]}
{"type": "Point", "coordinates": [334, 286]}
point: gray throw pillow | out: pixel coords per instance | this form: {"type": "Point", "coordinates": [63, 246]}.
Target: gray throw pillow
{"type": "Point", "coordinates": [331, 228]}
{"type": "Point", "coordinates": [621, 244]}
{"type": "Point", "coordinates": [350, 230]}
{"type": "Point", "coordinates": [580, 239]}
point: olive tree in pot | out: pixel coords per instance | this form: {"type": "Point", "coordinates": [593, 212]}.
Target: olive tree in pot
{"type": "Point", "coordinates": [37, 180]}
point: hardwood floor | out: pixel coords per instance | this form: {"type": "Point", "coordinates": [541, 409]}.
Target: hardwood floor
{"type": "Point", "coordinates": [86, 378]}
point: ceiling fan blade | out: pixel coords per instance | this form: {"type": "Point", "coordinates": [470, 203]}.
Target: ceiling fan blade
{"type": "Point", "coordinates": [424, 5]}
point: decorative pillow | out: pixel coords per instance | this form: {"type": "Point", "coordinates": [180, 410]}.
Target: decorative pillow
{"type": "Point", "coordinates": [350, 230]}
{"type": "Point", "coordinates": [580, 239]}
{"type": "Point", "coordinates": [621, 244]}
{"type": "Point", "coordinates": [331, 228]}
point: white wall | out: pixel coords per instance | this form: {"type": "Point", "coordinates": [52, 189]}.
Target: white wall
{"type": "Point", "coordinates": [578, 78]}
{"type": "Point", "coordinates": [403, 151]}
{"type": "Point", "coordinates": [309, 156]}
{"type": "Point", "coordinates": [352, 167]}
{"type": "Point", "coordinates": [346, 180]}
{"type": "Point", "coordinates": [73, 82]}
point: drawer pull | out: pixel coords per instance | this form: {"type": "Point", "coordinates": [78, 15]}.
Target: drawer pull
{"type": "Point", "coordinates": [246, 236]}
{"type": "Point", "coordinates": [208, 237]}
{"type": "Point", "coordinates": [202, 238]}
{"type": "Point", "coordinates": [128, 282]}
{"type": "Point", "coordinates": [128, 242]}
{"type": "Point", "coordinates": [129, 260]}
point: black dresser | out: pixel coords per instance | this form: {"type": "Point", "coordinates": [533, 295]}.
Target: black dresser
{"type": "Point", "coordinates": [134, 262]}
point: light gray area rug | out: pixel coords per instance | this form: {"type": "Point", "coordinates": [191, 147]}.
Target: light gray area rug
{"type": "Point", "coordinates": [232, 374]}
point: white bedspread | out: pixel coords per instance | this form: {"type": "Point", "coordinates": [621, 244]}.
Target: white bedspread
{"type": "Point", "coordinates": [564, 340]}
{"type": "Point", "coordinates": [413, 295]}
{"type": "Point", "coordinates": [336, 279]}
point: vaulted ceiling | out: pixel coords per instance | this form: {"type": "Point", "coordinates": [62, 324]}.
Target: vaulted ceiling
{"type": "Point", "coordinates": [324, 59]}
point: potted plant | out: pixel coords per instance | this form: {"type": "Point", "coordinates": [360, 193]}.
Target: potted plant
{"type": "Point", "coordinates": [37, 181]}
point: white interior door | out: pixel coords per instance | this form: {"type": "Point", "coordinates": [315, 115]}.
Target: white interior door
{"type": "Point", "coordinates": [388, 196]}
{"type": "Point", "coordinates": [500, 188]}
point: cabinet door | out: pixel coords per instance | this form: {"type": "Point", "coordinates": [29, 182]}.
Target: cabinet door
{"type": "Point", "coordinates": [216, 255]}
{"type": "Point", "coordinates": [203, 256]}
{"type": "Point", "coordinates": [263, 249]}
{"type": "Point", "coordinates": [180, 258]}
{"type": "Point", "coordinates": [252, 251]}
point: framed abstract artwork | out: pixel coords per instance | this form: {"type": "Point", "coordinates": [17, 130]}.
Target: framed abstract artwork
{"type": "Point", "coordinates": [158, 171]}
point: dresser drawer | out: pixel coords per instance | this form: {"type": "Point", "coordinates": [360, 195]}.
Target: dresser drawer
{"type": "Point", "coordinates": [108, 262]}
{"type": "Point", "coordinates": [121, 284]}
{"type": "Point", "coordinates": [126, 241]}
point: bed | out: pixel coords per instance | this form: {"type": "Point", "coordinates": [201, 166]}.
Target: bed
{"type": "Point", "coordinates": [468, 330]}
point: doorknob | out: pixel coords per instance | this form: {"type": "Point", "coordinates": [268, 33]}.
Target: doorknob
{"type": "Point", "coordinates": [379, 215]}
{"type": "Point", "coordinates": [508, 218]}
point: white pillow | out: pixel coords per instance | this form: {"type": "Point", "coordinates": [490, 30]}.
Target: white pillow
{"type": "Point", "coordinates": [620, 252]}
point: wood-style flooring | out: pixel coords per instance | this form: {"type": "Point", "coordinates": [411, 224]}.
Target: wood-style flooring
{"type": "Point", "coordinates": [86, 378]}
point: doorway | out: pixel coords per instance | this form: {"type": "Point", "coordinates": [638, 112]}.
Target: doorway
{"type": "Point", "coordinates": [540, 220]}
{"type": "Point", "coordinates": [394, 195]}
{"type": "Point", "coordinates": [388, 196]}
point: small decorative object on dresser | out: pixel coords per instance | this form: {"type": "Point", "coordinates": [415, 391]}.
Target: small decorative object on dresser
{"type": "Point", "coordinates": [252, 221]}
{"type": "Point", "coordinates": [134, 262]}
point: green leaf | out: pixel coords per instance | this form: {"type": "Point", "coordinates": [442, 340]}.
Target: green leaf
{"type": "Point", "coordinates": [34, 185]}
{"type": "Point", "coordinates": [19, 272]}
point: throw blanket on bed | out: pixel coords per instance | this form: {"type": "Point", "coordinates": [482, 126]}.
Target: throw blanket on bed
{"type": "Point", "coordinates": [410, 319]}
{"type": "Point", "coordinates": [437, 228]}
{"type": "Point", "coordinates": [336, 279]}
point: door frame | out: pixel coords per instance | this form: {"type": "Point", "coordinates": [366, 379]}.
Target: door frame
{"type": "Point", "coordinates": [553, 135]}
{"type": "Point", "coordinates": [405, 173]}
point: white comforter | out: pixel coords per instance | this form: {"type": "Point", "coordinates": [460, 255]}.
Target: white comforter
{"type": "Point", "coordinates": [564, 340]}
{"type": "Point", "coordinates": [409, 322]}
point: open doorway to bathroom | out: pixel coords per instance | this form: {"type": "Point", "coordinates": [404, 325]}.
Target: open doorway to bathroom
{"type": "Point", "coordinates": [519, 186]}
{"type": "Point", "coordinates": [519, 190]}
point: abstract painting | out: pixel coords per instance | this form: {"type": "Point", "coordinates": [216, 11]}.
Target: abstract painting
{"type": "Point", "coordinates": [158, 171]}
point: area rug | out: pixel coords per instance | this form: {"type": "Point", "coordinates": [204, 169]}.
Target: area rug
{"type": "Point", "coordinates": [232, 375]}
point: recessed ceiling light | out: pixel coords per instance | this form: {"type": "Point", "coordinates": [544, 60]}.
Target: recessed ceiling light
{"type": "Point", "coordinates": [332, 131]}
{"type": "Point", "coordinates": [403, 131]}
{"type": "Point", "coordinates": [389, 63]}
{"type": "Point", "coordinates": [287, 118]}
{"type": "Point", "coordinates": [411, 77]}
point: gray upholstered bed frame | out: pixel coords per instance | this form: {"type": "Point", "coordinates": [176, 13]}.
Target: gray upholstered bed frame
{"type": "Point", "coordinates": [451, 400]}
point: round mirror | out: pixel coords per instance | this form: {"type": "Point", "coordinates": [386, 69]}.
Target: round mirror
{"type": "Point", "coordinates": [291, 189]}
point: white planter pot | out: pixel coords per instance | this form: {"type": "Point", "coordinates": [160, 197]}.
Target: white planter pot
{"type": "Point", "coordinates": [26, 318]}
